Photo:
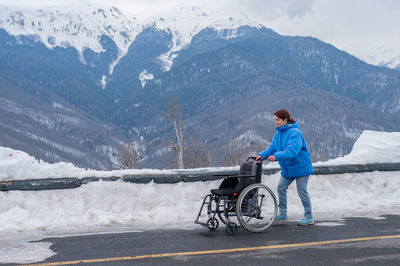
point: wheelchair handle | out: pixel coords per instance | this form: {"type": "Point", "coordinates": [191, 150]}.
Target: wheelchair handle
{"type": "Point", "coordinates": [254, 158]}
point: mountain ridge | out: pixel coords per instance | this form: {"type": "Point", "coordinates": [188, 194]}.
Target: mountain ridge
{"type": "Point", "coordinates": [228, 83]}
{"type": "Point", "coordinates": [61, 26]}
{"type": "Point", "coordinates": [122, 27]}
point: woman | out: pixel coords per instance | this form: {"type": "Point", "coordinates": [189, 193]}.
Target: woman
{"type": "Point", "coordinates": [289, 148]}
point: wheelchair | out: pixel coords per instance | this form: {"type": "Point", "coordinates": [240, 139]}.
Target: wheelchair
{"type": "Point", "coordinates": [240, 198]}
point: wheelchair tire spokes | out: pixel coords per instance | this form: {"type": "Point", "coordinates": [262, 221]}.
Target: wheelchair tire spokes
{"type": "Point", "coordinates": [256, 201]}
{"type": "Point", "coordinates": [231, 228]}
{"type": "Point", "coordinates": [212, 224]}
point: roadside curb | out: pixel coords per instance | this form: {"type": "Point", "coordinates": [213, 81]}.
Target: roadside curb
{"type": "Point", "coordinates": [355, 168]}
{"type": "Point", "coordinates": [180, 176]}
{"type": "Point", "coordinates": [40, 184]}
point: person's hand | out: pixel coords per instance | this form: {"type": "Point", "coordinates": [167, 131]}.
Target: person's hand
{"type": "Point", "coordinates": [258, 158]}
{"type": "Point", "coordinates": [271, 158]}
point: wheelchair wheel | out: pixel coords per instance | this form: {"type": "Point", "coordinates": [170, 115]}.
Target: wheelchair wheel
{"type": "Point", "coordinates": [231, 228]}
{"type": "Point", "coordinates": [212, 224]}
{"type": "Point", "coordinates": [256, 208]}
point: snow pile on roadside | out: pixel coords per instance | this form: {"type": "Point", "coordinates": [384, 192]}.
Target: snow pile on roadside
{"type": "Point", "coordinates": [371, 147]}
{"type": "Point", "coordinates": [18, 165]}
{"type": "Point", "coordinates": [113, 204]}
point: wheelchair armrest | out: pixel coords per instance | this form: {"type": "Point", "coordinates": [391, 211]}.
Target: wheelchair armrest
{"type": "Point", "coordinates": [245, 176]}
{"type": "Point", "coordinates": [227, 175]}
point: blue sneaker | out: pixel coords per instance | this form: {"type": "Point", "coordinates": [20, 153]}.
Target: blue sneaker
{"type": "Point", "coordinates": [306, 221]}
{"type": "Point", "coordinates": [281, 217]}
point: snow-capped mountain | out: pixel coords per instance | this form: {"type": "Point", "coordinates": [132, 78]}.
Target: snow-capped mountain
{"type": "Point", "coordinates": [185, 23]}
{"type": "Point", "coordinates": [228, 74]}
{"type": "Point", "coordinates": [81, 28]}
{"type": "Point", "coordinates": [84, 27]}
{"type": "Point", "coordinates": [385, 57]}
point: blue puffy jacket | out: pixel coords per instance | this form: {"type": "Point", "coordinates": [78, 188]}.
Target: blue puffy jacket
{"type": "Point", "coordinates": [290, 150]}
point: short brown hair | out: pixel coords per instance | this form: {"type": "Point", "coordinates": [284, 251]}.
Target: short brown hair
{"type": "Point", "coordinates": [284, 114]}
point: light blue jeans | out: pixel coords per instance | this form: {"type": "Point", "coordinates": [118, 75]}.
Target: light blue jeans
{"type": "Point", "coordinates": [301, 183]}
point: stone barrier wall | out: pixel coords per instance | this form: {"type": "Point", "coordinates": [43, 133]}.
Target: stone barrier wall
{"type": "Point", "coordinates": [181, 176]}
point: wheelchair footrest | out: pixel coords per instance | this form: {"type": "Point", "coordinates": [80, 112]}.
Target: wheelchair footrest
{"type": "Point", "coordinates": [202, 224]}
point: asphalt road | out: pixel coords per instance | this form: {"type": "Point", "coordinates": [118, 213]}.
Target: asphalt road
{"type": "Point", "coordinates": [359, 241]}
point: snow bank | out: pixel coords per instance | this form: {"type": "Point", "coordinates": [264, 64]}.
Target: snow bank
{"type": "Point", "coordinates": [18, 165]}
{"type": "Point", "coordinates": [138, 206]}
{"type": "Point", "coordinates": [371, 147]}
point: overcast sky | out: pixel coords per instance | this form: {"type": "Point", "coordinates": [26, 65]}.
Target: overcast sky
{"type": "Point", "coordinates": [356, 26]}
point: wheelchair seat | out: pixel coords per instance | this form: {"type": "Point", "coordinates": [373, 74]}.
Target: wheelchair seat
{"type": "Point", "coordinates": [221, 192]}
{"type": "Point", "coordinates": [249, 173]}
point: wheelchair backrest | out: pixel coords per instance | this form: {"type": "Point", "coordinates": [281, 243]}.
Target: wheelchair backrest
{"type": "Point", "coordinates": [252, 168]}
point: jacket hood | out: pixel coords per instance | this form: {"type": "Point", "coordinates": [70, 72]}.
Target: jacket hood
{"type": "Point", "coordinates": [288, 126]}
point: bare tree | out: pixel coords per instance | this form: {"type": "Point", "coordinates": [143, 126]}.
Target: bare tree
{"type": "Point", "coordinates": [235, 155]}
{"type": "Point", "coordinates": [197, 156]}
{"type": "Point", "coordinates": [128, 156]}
{"type": "Point", "coordinates": [232, 156]}
{"type": "Point", "coordinates": [176, 118]}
